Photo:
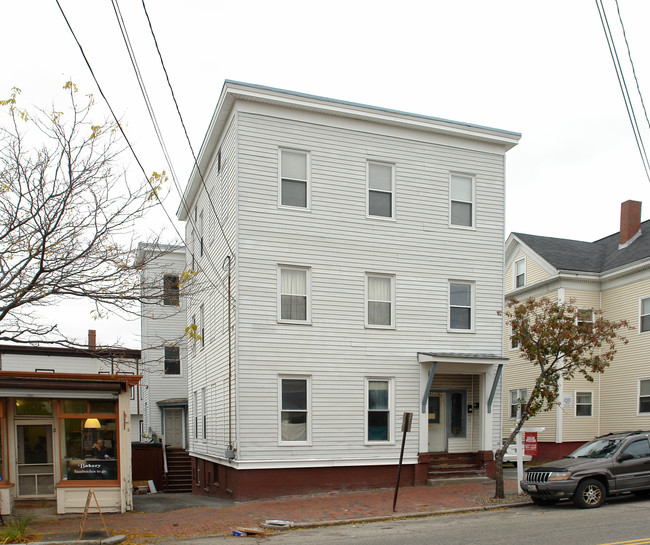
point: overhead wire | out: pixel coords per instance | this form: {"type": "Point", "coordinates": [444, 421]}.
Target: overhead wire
{"type": "Point", "coordinates": [629, 106]}
{"type": "Point", "coordinates": [119, 125]}
{"type": "Point", "coordinates": [158, 132]}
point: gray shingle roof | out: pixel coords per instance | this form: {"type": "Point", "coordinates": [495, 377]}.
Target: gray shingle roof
{"type": "Point", "coordinates": [597, 257]}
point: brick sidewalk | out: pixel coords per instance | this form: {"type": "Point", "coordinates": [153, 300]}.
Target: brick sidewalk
{"type": "Point", "coordinates": [314, 509]}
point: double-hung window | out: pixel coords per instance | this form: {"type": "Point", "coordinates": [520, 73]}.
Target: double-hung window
{"type": "Point", "coordinates": [378, 419]}
{"type": "Point", "coordinates": [381, 190]}
{"type": "Point", "coordinates": [517, 400]}
{"type": "Point", "coordinates": [585, 319]}
{"type": "Point", "coordinates": [294, 410]}
{"type": "Point", "coordinates": [644, 396]}
{"type": "Point", "coordinates": [171, 293]}
{"type": "Point", "coordinates": [584, 404]}
{"type": "Point", "coordinates": [294, 178]}
{"type": "Point", "coordinates": [294, 303]}
{"type": "Point", "coordinates": [380, 300]}
{"type": "Point", "coordinates": [202, 324]}
{"type": "Point", "coordinates": [172, 365]}
{"type": "Point", "coordinates": [460, 306]}
{"type": "Point", "coordinates": [462, 201]}
{"type": "Point", "coordinates": [645, 315]}
{"type": "Point", "coordinates": [520, 273]}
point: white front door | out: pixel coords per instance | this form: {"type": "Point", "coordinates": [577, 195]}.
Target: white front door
{"type": "Point", "coordinates": [34, 460]}
{"type": "Point", "coordinates": [437, 423]}
{"type": "Point", "coordinates": [174, 432]}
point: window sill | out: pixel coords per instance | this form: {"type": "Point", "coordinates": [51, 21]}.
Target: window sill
{"type": "Point", "coordinates": [294, 208]}
{"type": "Point", "coordinates": [89, 483]}
{"type": "Point", "coordinates": [462, 227]}
{"type": "Point", "coordinates": [381, 218]}
{"type": "Point", "coordinates": [372, 326]}
{"type": "Point", "coordinates": [294, 322]}
{"type": "Point", "coordinates": [462, 331]}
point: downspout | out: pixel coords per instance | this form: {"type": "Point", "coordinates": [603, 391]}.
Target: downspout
{"type": "Point", "coordinates": [230, 453]}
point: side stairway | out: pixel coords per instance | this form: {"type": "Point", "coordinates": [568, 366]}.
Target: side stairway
{"type": "Point", "coordinates": [179, 471]}
{"type": "Point", "coordinates": [445, 467]}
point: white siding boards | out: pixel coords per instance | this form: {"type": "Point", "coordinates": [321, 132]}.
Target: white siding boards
{"type": "Point", "coordinates": [391, 222]}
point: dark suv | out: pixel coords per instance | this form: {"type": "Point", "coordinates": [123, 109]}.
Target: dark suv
{"type": "Point", "coordinates": [607, 466]}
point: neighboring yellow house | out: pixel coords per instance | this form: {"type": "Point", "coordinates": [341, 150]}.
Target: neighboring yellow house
{"type": "Point", "coordinates": [611, 274]}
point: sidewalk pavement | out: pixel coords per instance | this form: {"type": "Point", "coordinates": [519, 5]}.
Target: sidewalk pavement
{"type": "Point", "coordinates": [160, 516]}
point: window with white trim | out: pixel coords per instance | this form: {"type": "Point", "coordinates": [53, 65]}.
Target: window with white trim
{"type": "Point", "coordinates": [460, 306]}
{"type": "Point", "coordinates": [381, 190]}
{"type": "Point", "coordinates": [202, 324]}
{"type": "Point", "coordinates": [378, 404]}
{"type": "Point", "coordinates": [462, 201]}
{"type": "Point", "coordinates": [172, 363]}
{"type": "Point", "coordinates": [201, 234]}
{"type": "Point", "coordinates": [517, 398]}
{"type": "Point", "coordinates": [514, 344]}
{"type": "Point", "coordinates": [171, 290]}
{"type": "Point", "coordinates": [644, 315]}
{"type": "Point", "coordinates": [294, 410]}
{"type": "Point", "coordinates": [380, 300]}
{"type": "Point", "coordinates": [205, 413]}
{"type": "Point", "coordinates": [584, 404]}
{"type": "Point", "coordinates": [520, 273]}
{"type": "Point", "coordinates": [585, 317]}
{"type": "Point", "coordinates": [294, 305]}
{"type": "Point", "coordinates": [294, 178]}
{"type": "Point", "coordinates": [644, 396]}
{"type": "Point", "coordinates": [196, 415]}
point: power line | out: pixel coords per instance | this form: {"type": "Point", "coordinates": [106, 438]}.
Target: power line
{"type": "Point", "coordinates": [623, 86]}
{"type": "Point", "coordinates": [143, 89]}
{"type": "Point", "coordinates": [196, 164]}
{"type": "Point", "coordinates": [126, 139]}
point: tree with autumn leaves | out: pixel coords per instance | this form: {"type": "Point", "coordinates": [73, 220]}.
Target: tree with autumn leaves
{"type": "Point", "coordinates": [551, 337]}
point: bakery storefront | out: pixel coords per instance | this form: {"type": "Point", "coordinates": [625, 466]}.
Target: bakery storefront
{"type": "Point", "coordinates": [62, 434]}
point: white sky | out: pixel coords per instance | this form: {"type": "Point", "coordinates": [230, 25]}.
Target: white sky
{"type": "Point", "coordinates": [539, 68]}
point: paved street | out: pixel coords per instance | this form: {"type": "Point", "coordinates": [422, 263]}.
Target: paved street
{"type": "Point", "coordinates": [620, 521]}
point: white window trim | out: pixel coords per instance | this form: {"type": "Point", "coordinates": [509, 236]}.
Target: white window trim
{"type": "Point", "coordinates": [638, 397]}
{"type": "Point", "coordinates": [279, 294]}
{"type": "Point", "coordinates": [472, 286]}
{"type": "Point", "coordinates": [575, 410]}
{"type": "Point", "coordinates": [308, 181]}
{"type": "Point", "coordinates": [641, 299]}
{"type": "Point", "coordinates": [514, 273]}
{"type": "Point", "coordinates": [204, 416]}
{"type": "Point", "coordinates": [391, 410]}
{"type": "Point", "coordinates": [202, 325]}
{"type": "Point", "coordinates": [473, 178]}
{"type": "Point", "coordinates": [282, 442]}
{"type": "Point", "coordinates": [510, 341]}
{"type": "Point", "coordinates": [392, 301]}
{"type": "Point", "coordinates": [593, 316]}
{"type": "Point", "coordinates": [519, 396]}
{"type": "Point", "coordinates": [166, 376]}
{"type": "Point", "coordinates": [393, 215]}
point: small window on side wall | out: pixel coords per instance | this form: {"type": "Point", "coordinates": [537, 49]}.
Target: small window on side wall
{"type": "Point", "coordinates": [294, 410]}
{"type": "Point", "coordinates": [460, 306]}
{"type": "Point", "coordinates": [381, 191]}
{"type": "Point", "coordinates": [520, 273]}
{"type": "Point", "coordinates": [378, 403]}
{"type": "Point", "coordinates": [462, 201]}
{"type": "Point", "coordinates": [584, 404]}
{"type": "Point", "coordinates": [171, 293]}
{"type": "Point", "coordinates": [172, 360]}
{"type": "Point", "coordinates": [645, 315]}
{"type": "Point", "coordinates": [294, 179]}
{"type": "Point", "coordinates": [294, 294]}
{"type": "Point", "coordinates": [380, 307]}
{"type": "Point", "coordinates": [644, 396]}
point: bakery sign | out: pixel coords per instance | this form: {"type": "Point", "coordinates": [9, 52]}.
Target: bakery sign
{"type": "Point", "coordinates": [91, 469]}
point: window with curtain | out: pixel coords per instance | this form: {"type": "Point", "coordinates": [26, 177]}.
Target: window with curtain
{"type": "Point", "coordinates": [294, 410]}
{"type": "Point", "coordinates": [293, 178]}
{"type": "Point", "coordinates": [379, 299]}
{"type": "Point", "coordinates": [293, 294]}
{"type": "Point", "coordinates": [380, 190]}
{"type": "Point", "coordinates": [462, 200]}
{"type": "Point", "coordinates": [460, 305]}
{"type": "Point", "coordinates": [583, 404]}
{"type": "Point", "coordinates": [378, 410]}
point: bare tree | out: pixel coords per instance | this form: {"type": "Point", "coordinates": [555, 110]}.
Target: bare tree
{"type": "Point", "coordinates": [559, 345]}
{"type": "Point", "coordinates": [68, 212]}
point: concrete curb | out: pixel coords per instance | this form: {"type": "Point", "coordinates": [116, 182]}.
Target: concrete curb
{"type": "Point", "coordinates": [113, 540]}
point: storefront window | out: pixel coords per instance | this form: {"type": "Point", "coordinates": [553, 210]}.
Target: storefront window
{"type": "Point", "coordinates": [89, 442]}
{"type": "Point", "coordinates": [33, 407]}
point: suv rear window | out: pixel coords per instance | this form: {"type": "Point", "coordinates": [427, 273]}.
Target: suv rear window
{"type": "Point", "coordinates": [599, 448]}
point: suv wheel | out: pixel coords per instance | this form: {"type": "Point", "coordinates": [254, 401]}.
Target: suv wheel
{"type": "Point", "coordinates": [590, 493]}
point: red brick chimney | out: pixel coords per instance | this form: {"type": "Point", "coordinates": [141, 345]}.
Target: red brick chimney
{"type": "Point", "coordinates": [92, 339]}
{"type": "Point", "coordinates": [630, 221]}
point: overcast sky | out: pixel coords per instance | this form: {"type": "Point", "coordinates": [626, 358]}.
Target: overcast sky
{"type": "Point", "coordinates": [539, 68]}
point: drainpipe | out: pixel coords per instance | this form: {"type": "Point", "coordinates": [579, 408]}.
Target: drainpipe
{"type": "Point", "coordinates": [230, 453]}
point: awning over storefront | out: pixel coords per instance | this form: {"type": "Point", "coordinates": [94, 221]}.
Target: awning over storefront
{"type": "Point", "coordinates": [64, 385]}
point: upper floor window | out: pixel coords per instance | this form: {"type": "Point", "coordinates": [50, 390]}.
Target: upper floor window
{"type": "Point", "coordinates": [584, 404]}
{"type": "Point", "coordinates": [172, 365]}
{"type": "Point", "coordinates": [462, 201]}
{"type": "Point", "coordinates": [380, 304]}
{"type": "Point", "coordinates": [460, 305]}
{"type": "Point", "coordinates": [520, 273]}
{"type": "Point", "coordinates": [381, 190]}
{"type": "Point", "coordinates": [294, 409]}
{"type": "Point", "coordinates": [171, 293]}
{"type": "Point", "coordinates": [585, 319]}
{"type": "Point", "coordinates": [294, 178]}
{"type": "Point", "coordinates": [202, 324]}
{"type": "Point", "coordinates": [201, 234]}
{"type": "Point", "coordinates": [644, 395]}
{"type": "Point", "coordinates": [645, 315]}
{"type": "Point", "coordinates": [294, 294]}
